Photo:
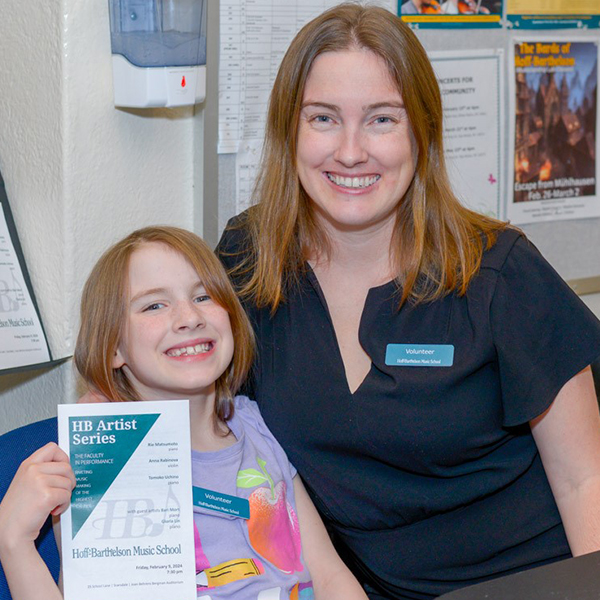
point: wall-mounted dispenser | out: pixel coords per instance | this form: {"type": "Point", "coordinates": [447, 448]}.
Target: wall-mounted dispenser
{"type": "Point", "coordinates": [158, 52]}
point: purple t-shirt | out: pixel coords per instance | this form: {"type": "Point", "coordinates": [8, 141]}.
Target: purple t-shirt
{"type": "Point", "coordinates": [259, 558]}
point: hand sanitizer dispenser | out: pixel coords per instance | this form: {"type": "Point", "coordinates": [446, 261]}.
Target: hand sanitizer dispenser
{"type": "Point", "coordinates": [158, 52]}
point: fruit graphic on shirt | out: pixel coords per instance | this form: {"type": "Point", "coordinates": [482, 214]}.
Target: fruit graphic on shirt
{"type": "Point", "coordinates": [273, 525]}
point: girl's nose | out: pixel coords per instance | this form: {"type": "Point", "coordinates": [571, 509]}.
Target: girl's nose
{"type": "Point", "coordinates": [351, 149]}
{"type": "Point", "coordinates": [188, 315]}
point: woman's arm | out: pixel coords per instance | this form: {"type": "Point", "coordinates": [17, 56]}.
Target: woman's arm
{"type": "Point", "coordinates": [331, 577]}
{"type": "Point", "coordinates": [567, 435]}
{"type": "Point", "coordinates": [41, 486]}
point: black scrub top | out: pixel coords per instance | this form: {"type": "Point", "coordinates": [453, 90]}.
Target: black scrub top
{"type": "Point", "coordinates": [428, 477]}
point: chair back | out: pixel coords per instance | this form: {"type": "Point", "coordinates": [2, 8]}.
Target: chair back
{"type": "Point", "coordinates": [15, 447]}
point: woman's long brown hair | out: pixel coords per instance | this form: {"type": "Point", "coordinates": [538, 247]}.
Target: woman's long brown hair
{"type": "Point", "coordinates": [437, 243]}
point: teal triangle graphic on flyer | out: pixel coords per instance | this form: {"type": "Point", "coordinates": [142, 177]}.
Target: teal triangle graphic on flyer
{"type": "Point", "coordinates": [100, 447]}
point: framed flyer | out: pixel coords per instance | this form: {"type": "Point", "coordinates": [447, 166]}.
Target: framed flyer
{"type": "Point", "coordinates": [23, 342]}
{"type": "Point", "coordinates": [554, 129]}
{"type": "Point", "coordinates": [129, 532]}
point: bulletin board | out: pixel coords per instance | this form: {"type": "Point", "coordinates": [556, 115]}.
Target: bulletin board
{"type": "Point", "coordinates": [571, 245]}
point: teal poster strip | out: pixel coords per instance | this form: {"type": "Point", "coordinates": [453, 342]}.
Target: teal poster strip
{"type": "Point", "coordinates": [100, 447]}
{"type": "Point", "coordinates": [553, 21]}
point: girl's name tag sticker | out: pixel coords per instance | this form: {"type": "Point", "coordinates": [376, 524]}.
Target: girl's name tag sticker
{"type": "Point", "coordinates": [419, 355]}
{"type": "Point", "coordinates": [222, 503]}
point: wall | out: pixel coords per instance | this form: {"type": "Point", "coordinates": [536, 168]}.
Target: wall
{"type": "Point", "coordinates": [79, 173]}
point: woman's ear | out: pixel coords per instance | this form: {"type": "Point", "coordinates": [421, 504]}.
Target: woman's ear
{"type": "Point", "coordinates": [118, 360]}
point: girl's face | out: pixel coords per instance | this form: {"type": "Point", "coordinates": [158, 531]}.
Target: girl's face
{"type": "Point", "coordinates": [176, 340]}
{"type": "Point", "coordinates": [355, 150]}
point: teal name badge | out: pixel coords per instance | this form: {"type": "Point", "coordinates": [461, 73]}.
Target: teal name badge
{"type": "Point", "coordinates": [223, 503]}
{"type": "Point", "coordinates": [419, 355]}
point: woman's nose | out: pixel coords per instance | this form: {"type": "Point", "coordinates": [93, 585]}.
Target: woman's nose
{"type": "Point", "coordinates": [188, 315]}
{"type": "Point", "coordinates": [351, 148]}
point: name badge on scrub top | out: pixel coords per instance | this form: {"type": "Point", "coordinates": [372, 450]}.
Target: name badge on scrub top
{"type": "Point", "coordinates": [419, 355]}
{"type": "Point", "coordinates": [223, 503]}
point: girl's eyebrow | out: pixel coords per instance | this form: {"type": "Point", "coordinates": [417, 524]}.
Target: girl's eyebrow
{"type": "Point", "coordinates": [145, 293]}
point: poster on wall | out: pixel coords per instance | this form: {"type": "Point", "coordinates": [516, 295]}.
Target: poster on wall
{"type": "Point", "coordinates": [554, 129]}
{"type": "Point", "coordinates": [451, 13]}
{"type": "Point", "coordinates": [23, 342]}
{"type": "Point", "coordinates": [553, 14]}
{"type": "Point", "coordinates": [472, 90]}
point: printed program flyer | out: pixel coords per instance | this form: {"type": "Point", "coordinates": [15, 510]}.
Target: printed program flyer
{"type": "Point", "coordinates": [128, 533]}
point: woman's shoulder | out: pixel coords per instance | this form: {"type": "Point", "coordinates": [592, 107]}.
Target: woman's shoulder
{"type": "Point", "coordinates": [235, 241]}
{"type": "Point", "coordinates": [495, 257]}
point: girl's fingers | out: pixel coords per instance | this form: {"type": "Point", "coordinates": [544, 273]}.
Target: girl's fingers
{"type": "Point", "coordinates": [54, 470]}
{"type": "Point", "coordinates": [48, 460]}
{"type": "Point", "coordinates": [51, 452]}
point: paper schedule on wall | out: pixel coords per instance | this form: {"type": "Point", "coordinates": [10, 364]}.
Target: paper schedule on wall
{"type": "Point", "coordinates": [22, 339]}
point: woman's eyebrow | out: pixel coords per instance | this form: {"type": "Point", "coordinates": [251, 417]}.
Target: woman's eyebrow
{"type": "Point", "coordinates": [321, 105]}
{"type": "Point", "coordinates": [384, 104]}
{"type": "Point", "coordinates": [366, 108]}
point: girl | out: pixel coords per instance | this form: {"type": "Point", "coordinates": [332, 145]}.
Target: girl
{"type": "Point", "coordinates": [158, 321]}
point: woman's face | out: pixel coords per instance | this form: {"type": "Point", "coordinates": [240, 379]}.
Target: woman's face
{"type": "Point", "coordinates": [356, 155]}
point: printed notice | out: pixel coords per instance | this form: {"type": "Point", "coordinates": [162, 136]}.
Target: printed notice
{"type": "Point", "coordinates": [472, 90]}
{"type": "Point", "coordinates": [254, 36]}
{"type": "Point", "coordinates": [22, 338]}
{"type": "Point", "coordinates": [129, 531]}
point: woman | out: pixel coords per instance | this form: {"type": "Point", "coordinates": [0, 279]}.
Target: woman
{"type": "Point", "coordinates": [423, 366]}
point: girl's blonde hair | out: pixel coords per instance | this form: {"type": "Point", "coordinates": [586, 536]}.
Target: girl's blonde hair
{"type": "Point", "coordinates": [437, 243]}
{"type": "Point", "coordinates": [104, 309]}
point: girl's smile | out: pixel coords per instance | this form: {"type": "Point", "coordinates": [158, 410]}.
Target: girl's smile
{"type": "Point", "coordinates": [195, 348]}
{"type": "Point", "coordinates": [176, 340]}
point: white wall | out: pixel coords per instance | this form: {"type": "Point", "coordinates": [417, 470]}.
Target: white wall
{"type": "Point", "coordinates": [79, 173]}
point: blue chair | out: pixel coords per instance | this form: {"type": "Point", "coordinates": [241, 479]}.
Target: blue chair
{"type": "Point", "coordinates": [15, 446]}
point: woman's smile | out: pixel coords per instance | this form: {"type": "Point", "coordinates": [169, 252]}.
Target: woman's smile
{"type": "Point", "coordinates": [352, 181]}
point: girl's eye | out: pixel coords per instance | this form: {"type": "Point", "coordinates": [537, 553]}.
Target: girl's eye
{"type": "Point", "coordinates": [153, 306]}
{"type": "Point", "coordinates": [202, 298]}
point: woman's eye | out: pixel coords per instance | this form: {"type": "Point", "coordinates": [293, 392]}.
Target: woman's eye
{"type": "Point", "coordinates": [202, 298]}
{"type": "Point", "coordinates": [321, 120]}
{"type": "Point", "coordinates": [383, 120]}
